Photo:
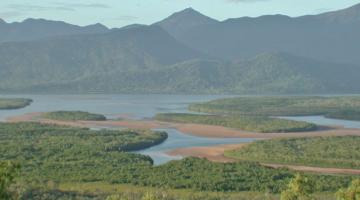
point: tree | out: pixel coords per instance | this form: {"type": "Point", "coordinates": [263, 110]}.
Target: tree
{"type": "Point", "coordinates": [351, 193]}
{"type": "Point", "coordinates": [8, 173]}
{"type": "Point", "coordinates": [299, 188]}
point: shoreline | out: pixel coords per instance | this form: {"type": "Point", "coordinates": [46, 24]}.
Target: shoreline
{"type": "Point", "coordinates": [212, 153]}
{"type": "Point", "coordinates": [216, 154]}
{"type": "Point", "coordinates": [200, 130]}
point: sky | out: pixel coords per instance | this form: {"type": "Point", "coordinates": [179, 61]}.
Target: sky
{"type": "Point", "coordinates": [118, 13]}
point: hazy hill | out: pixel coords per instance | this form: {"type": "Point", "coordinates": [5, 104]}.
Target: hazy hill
{"type": "Point", "coordinates": [33, 29]}
{"type": "Point", "coordinates": [330, 36]}
{"type": "Point", "coordinates": [263, 74]}
{"type": "Point", "coordinates": [187, 53]}
{"type": "Point", "coordinates": [54, 61]}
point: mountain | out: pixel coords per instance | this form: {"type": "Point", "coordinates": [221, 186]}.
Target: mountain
{"type": "Point", "coordinates": [34, 29]}
{"type": "Point", "coordinates": [70, 58]}
{"type": "Point", "coordinates": [180, 22]}
{"type": "Point", "coordinates": [186, 53]}
{"type": "Point", "coordinates": [330, 37]}
{"type": "Point", "coordinates": [274, 73]}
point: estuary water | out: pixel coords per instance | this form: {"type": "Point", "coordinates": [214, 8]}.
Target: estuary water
{"type": "Point", "coordinates": [178, 139]}
{"type": "Point", "coordinates": [112, 106]}
{"type": "Point", "coordinates": [143, 107]}
{"type": "Point", "coordinates": [130, 106]}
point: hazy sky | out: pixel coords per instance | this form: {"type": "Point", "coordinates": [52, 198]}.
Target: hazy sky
{"type": "Point", "coordinates": [117, 13]}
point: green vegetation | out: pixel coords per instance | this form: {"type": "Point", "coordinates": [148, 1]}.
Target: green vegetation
{"type": "Point", "coordinates": [8, 172]}
{"type": "Point", "coordinates": [54, 156]}
{"type": "Point", "coordinates": [248, 123]}
{"type": "Point", "coordinates": [96, 193]}
{"type": "Point", "coordinates": [64, 154]}
{"type": "Point", "coordinates": [299, 188]}
{"type": "Point", "coordinates": [60, 153]}
{"type": "Point", "coordinates": [203, 175]}
{"type": "Point", "coordinates": [340, 152]}
{"type": "Point", "coordinates": [74, 116]}
{"type": "Point", "coordinates": [14, 103]}
{"type": "Point", "coordinates": [284, 106]}
{"type": "Point", "coordinates": [351, 193]}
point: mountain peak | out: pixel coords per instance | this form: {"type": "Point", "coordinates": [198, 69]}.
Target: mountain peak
{"type": "Point", "coordinates": [2, 21]}
{"type": "Point", "coordinates": [184, 20]}
{"type": "Point", "coordinates": [189, 10]}
{"type": "Point", "coordinates": [190, 13]}
{"type": "Point", "coordinates": [97, 26]}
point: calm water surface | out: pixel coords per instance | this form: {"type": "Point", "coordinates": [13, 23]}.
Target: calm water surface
{"type": "Point", "coordinates": [133, 106]}
{"type": "Point", "coordinates": [142, 107]}
{"type": "Point", "coordinates": [178, 139]}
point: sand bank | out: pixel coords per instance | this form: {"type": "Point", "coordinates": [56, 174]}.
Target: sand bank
{"type": "Point", "coordinates": [216, 154]}
{"type": "Point", "coordinates": [193, 129]}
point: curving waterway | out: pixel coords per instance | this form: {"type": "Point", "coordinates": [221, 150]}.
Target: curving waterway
{"type": "Point", "coordinates": [143, 107]}
{"type": "Point", "coordinates": [130, 106]}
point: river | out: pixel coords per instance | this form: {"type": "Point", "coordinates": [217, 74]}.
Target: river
{"type": "Point", "coordinates": [143, 107]}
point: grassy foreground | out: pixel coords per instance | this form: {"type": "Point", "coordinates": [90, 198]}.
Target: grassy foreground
{"type": "Point", "coordinates": [337, 152]}
{"type": "Point", "coordinates": [74, 116]}
{"type": "Point", "coordinates": [248, 123]}
{"type": "Point", "coordinates": [15, 103]}
{"type": "Point", "coordinates": [347, 107]}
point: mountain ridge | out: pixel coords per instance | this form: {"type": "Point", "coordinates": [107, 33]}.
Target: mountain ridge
{"type": "Point", "coordinates": [188, 52]}
{"type": "Point", "coordinates": [35, 29]}
{"type": "Point", "coordinates": [317, 36]}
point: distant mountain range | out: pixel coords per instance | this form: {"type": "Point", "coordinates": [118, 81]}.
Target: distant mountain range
{"type": "Point", "coordinates": [34, 29]}
{"type": "Point", "coordinates": [187, 52]}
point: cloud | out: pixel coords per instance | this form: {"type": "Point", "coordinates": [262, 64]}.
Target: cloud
{"type": "Point", "coordinates": [32, 7]}
{"type": "Point", "coordinates": [83, 5]}
{"type": "Point", "coordinates": [54, 7]}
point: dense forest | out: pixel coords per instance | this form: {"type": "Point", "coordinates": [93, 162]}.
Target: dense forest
{"type": "Point", "coordinates": [15, 103]}
{"type": "Point", "coordinates": [60, 153]}
{"type": "Point", "coordinates": [344, 107]}
{"type": "Point", "coordinates": [338, 152]}
{"type": "Point", "coordinates": [248, 123]}
{"type": "Point", "coordinates": [64, 154]}
{"type": "Point", "coordinates": [74, 116]}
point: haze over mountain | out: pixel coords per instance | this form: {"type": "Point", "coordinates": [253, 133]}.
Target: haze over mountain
{"type": "Point", "coordinates": [186, 53]}
{"type": "Point", "coordinates": [33, 29]}
{"type": "Point", "coordinates": [331, 36]}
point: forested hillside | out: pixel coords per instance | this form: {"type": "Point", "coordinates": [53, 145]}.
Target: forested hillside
{"type": "Point", "coordinates": [187, 52]}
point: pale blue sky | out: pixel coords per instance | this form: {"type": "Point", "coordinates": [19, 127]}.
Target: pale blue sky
{"type": "Point", "coordinates": [117, 13]}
